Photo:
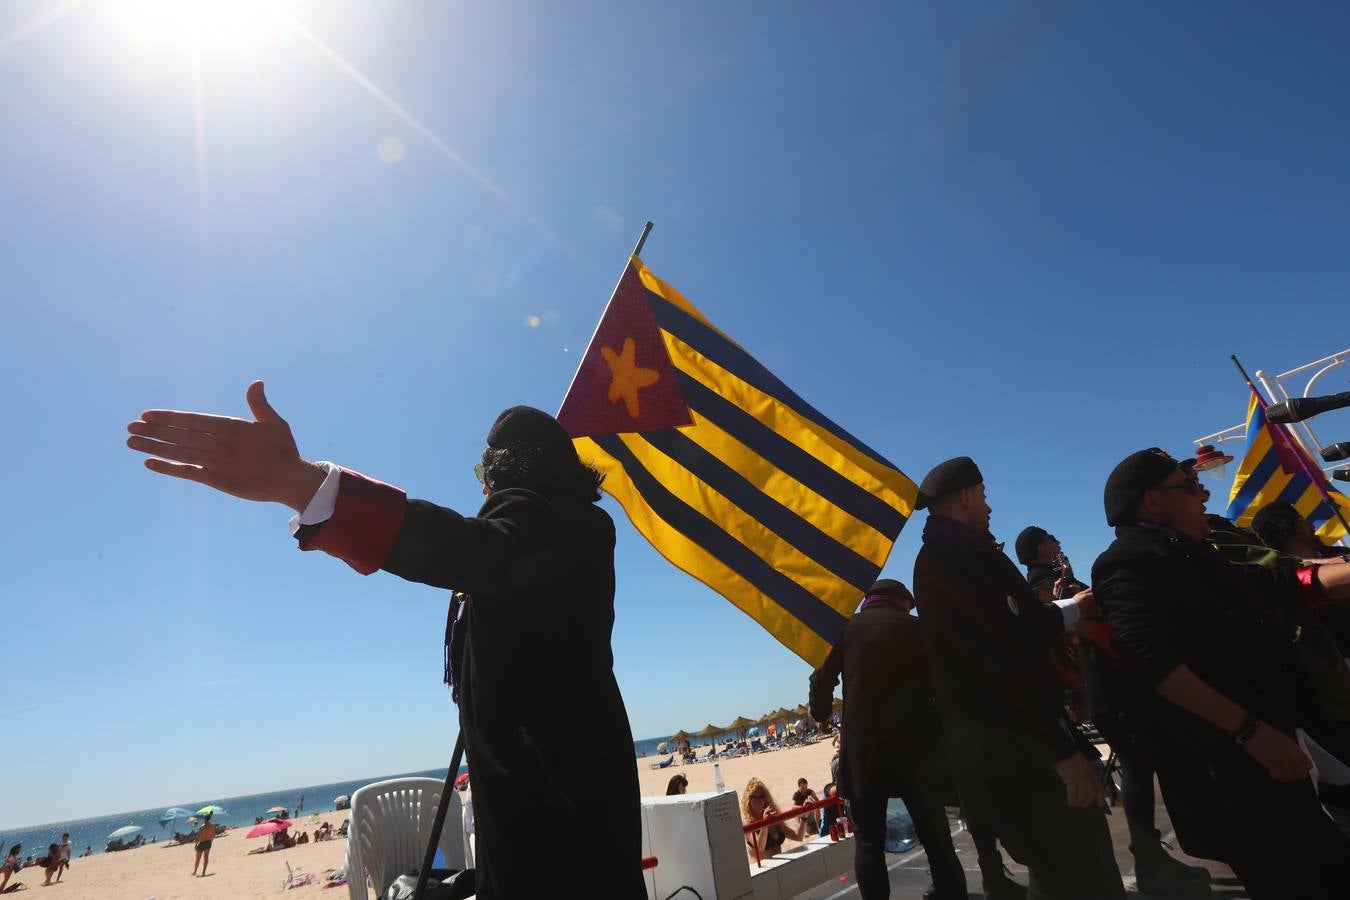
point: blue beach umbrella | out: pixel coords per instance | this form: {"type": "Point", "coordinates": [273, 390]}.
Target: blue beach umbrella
{"type": "Point", "coordinates": [173, 814]}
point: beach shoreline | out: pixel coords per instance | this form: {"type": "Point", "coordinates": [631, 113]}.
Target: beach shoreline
{"type": "Point", "coordinates": [163, 870]}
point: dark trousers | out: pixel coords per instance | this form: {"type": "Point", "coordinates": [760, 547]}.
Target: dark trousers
{"type": "Point", "coordinates": [1291, 849]}
{"type": "Point", "coordinates": [1067, 850]}
{"type": "Point", "coordinates": [930, 824]}
{"type": "Point", "coordinates": [1136, 793]}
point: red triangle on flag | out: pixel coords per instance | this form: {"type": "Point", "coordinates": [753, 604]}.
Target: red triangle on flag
{"type": "Point", "coordinates": [626, 381]}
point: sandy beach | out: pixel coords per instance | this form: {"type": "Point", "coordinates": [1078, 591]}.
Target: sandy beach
{"type": "Point", "coordinates": [163, 872]}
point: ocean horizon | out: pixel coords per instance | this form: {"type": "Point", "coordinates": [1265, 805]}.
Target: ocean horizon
{"type": "Point", "coordinates": [239, 811]}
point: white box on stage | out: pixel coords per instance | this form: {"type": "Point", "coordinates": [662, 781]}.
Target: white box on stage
{"type": "Point", "coordinates": [697, 841]}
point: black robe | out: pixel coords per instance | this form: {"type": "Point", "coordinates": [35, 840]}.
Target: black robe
{"type": "Point", "coordinates": [549, 748]}
{"type": "Point", "coordinates": [891, 732]}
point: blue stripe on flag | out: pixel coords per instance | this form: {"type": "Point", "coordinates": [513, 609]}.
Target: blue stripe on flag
{"type": "Point", "coordinates": [839, 559]}
{"type": "Point", "coordinates": [1255, 481]}
{"type": "Point", "coordinates": [782, 454]}
{"type": "Point", "coordinates": [796, 600]}
{"type": "Point", "coordinates": [745, 367]}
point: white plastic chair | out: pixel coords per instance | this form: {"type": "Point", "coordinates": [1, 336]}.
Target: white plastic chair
{"type": "Point", "coordinates": [390, 827]}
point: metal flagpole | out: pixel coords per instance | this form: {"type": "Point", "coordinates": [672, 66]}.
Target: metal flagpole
{"type": "Point", "coordinates": [642, 241]}
{"type": "Point", "coordinates": [1314, 474]}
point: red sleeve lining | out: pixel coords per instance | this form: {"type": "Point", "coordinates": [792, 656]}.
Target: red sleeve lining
{"type": "Point", "coordinates": [365, 525]}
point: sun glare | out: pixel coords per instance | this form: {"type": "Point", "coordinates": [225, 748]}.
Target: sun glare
{"type": "Point", "coordinates": [203, 28]}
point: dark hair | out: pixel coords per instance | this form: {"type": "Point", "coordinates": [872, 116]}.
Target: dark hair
{"type": "Point", "coordinates": [1276, 523]}
{"type": "Point", "coordinates": [676, 782]}
{"type": "Point", "coordinates": [15, 849]}
{"type": "Point", "coordinates": [527, 466]}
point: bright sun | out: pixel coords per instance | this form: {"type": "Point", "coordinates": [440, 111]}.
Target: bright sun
{"type": "Point", "coordinates": [224, 28]}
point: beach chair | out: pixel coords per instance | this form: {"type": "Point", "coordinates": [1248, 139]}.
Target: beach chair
{"type": "Point", "coordinates": [664, 763]}
{"type": "Point", "coordinates": [390, 829]}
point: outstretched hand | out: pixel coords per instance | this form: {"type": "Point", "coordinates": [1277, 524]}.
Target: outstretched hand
{"type": "Point", "coordinates": [255, 460]}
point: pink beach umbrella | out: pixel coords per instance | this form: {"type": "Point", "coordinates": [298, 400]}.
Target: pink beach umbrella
{"type": "Point", "coordinates": [271, 826]}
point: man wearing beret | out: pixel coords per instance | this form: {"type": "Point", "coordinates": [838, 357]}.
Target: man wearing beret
{"type": "Point", "coordinates": [1156, 873]}
{"type": "Point", "coordinates": [1014, 754]}
{"type": "Point", "coordinates": [1206, 689]}
{"type": "Point", "coordinates": [534, 572]}
{"type": "Point", "coordinates": [891, 744]}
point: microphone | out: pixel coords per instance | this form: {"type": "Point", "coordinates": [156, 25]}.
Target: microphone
{"type": "Point", "coordinates": [1335, 452]}
{"type": "Point", "coordinates": [1288, 411]}
{"type": "Point", "coordinates": [1341, 474]}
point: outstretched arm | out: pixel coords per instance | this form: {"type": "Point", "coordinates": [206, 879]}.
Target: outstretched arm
{"type": "Point", "coordinates": [255, 460]}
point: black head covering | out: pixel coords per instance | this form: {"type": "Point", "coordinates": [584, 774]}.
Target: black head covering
{"type": "Point", "coordinates": [1135, 474]}
{"type": "Point", "coordinates": [888, 586]}
{"type": "Point", "coordinates": [1028, 542]}
{"type": "Point", "coordinates": [527, 425]}
{"type": "Point", "coordinates": [952, 475]}
{"type": "Point", "coordinates": [1276, 522]}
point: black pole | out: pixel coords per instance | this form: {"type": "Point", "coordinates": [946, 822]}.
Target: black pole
{"type": "Point", "coordinates": [429, 858]}
{"type": "Point", "coordinates": [646, 230]}
{"type": "Point", "coordinates": [1245, 377]}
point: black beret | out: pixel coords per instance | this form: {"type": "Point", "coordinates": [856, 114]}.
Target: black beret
{"type": "Point", "coordinates": [952, 475]}
{"type": "Point", "coordinates": [1135, 474]}
{"type": "Point", "coordinates": [1028, 542]}
{"type": "Point", "coordinates": [527, 425]}
{"type": "Point", "coordinates": [890, 587]}
{"type": "Point", "coordinates": [1275, 522]}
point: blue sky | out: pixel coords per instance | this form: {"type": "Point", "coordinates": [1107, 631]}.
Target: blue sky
{"type": "Point", "coordinates": [1027, 232]}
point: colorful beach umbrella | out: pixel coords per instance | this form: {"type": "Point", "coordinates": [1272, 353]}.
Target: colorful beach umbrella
{"type": "Point", "coordinates": [461, 779]}
{"type": "Point", "coordinates": [210, 810]}
{"type": "Point", "coordinates": [173, 814]}
{"type": "Point", "coordinates": [271, 826]}
{"type": "Point", "coordinates": [124, 831]}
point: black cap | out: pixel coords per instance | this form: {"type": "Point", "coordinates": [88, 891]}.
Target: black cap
{"type": "Point", "coordinates": [952, 475]}
{"type": "Point", "coordinates": [1135, 474]}
{"type": "Point", "coordinates": [1275, 522]}
{"type": "Point", "coordinates": [1028, 542]}
{"type": "Point", "coordinates": [527, 425]}
{"type": "Point", "coordinates": [890, 587]}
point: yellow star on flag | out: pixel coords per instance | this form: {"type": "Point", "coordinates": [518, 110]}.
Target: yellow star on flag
{"type": "Point", "coordinates": [627, 376]}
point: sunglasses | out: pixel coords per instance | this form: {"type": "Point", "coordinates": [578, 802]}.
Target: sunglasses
{"type": "Point", "coordinates": [760, 796]}
{"type": "Point", "coordinates": [1190, 486]}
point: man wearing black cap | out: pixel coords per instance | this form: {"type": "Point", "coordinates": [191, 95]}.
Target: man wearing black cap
{"type": "Point", "coordinates": [891, 744]}
{"type": "Point", "coordinates": [528, 642]}
{"type": "Point", "coordinates": [989, 640]}
{"type": "Point", "coordinates": [1205, 689]}
{"type": "Point", "coordinates": [1156, 873]}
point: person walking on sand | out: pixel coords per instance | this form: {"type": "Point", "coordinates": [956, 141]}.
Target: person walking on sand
{"type": "Point", "coordinates": [65, 849]}
{"type": "Point", "coordinates": [12, 864]}
{"type": "Point", "coordinates": [205, 835]}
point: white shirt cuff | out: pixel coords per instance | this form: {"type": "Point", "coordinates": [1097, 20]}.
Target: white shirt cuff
{"type": "Point", "coordinates": [1068, 607]}
{"type": "Point", "coordinates": [321, 505]}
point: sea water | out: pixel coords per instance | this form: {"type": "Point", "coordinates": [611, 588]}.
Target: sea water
{"type": "Point", "coordinates": [239, 811]}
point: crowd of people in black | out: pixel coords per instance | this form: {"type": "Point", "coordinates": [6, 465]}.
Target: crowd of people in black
{"type": "Point", "coordinates": [1206, 654]}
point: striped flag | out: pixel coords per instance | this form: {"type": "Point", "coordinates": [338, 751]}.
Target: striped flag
{"type": "Point", "coordinates": [1274, 468]}
{"type": "Point", "coordinates": [729, 474]}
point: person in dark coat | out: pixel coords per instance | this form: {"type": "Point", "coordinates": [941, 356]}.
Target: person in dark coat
{"type": "Point", "coordinates": [528, 642]}
{"type": "Point", "coordinates": [891, 741]}
{"type": "Point", "coordinates": [1156, 873]}
{"type": "Point", "coordinates": [1014, 755]}
{"type": "Point", "coordinates": [1207, 690]}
